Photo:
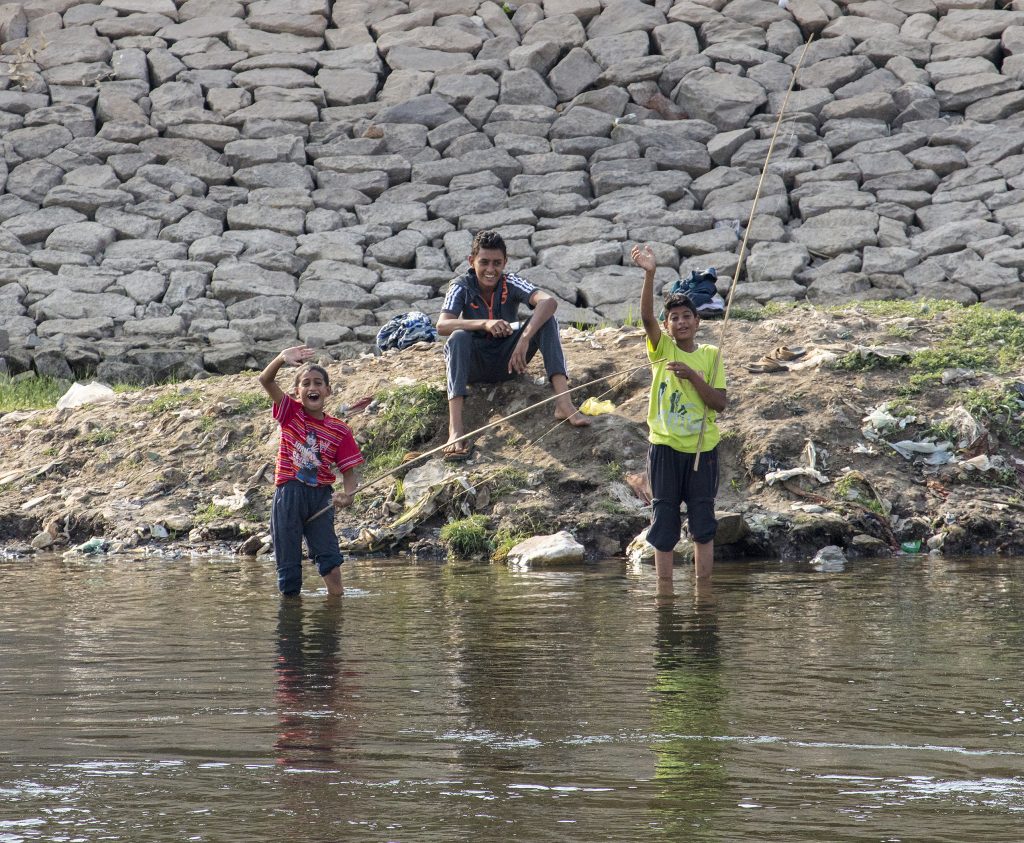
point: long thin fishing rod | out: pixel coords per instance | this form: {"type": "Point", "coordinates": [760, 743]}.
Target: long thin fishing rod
{"type": "Point", "coordinates": [743, 245]}
{"type": "Point", "coordinates": [551, 429]}
{"type": "Point", "coordinates": [502, 420]}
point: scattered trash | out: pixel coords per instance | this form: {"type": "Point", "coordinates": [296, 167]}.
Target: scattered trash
{"type": "Point", "coordinates": [809, 469]}
{"type": "Point", "coordinates": [938, 453]}
{"type": "Point", "coordinates": [911, 546]}
{"type": "Point", "coordinates": [624, 496]}
{"type": "Point", "coordinates": [594, 407]}
{"type": "Point", "coordinates": [984, 463]}
{"type": "Point", "coordinates": [882, 352]}
{"type": "Point", "coordinates": [829, 560]}
{"type": "Point", "coordinates": [233, 502]}
{"type": "Point", "coordinates": [92, 546]}
{"type": "Point", "coordinates": [420, 480]}
{"type": "Point", "coordinates": [967, 428]}
{"type": "Point", "coordinates": [879, 420]}
{"type": "Point", "coordinates": [951, 376]}
{"type": "Point", "coordinates": [80, 393]}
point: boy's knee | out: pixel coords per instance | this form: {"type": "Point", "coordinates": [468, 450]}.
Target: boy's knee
{"type": "Point", "coordinates": [702, 523]}
{"type": "Point", "coordinates": [458, 341]}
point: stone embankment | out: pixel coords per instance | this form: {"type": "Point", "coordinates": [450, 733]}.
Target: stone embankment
{"type": "Point", "coordinates": [188, 187]}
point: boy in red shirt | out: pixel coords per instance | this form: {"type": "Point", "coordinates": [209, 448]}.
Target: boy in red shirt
{"type": "Point", "coordinates": [311, 441]}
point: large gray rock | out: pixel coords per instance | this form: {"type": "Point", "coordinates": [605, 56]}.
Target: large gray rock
{"type": "Point", "coordinates": [724, 100]}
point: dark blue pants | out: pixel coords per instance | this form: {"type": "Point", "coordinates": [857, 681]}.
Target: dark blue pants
{"type": "Point", "coordinates": [294, 503]}
{"type": "Point", "coordinates": [674, 482]}
{"type": "Point", "coordinates": [476, 357]}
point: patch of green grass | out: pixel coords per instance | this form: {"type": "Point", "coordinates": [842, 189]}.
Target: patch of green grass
{"type": "Point", "coordinates": [100, 436]}
{"type": "Point", "coordinates": [248, 402]}
{"type": "Point", "coordinates": [408, 415]}
{"type": "Point", "coordinates": [920, 308]}
{"type": "Point", "coordinates": [612, 471]}
{"type": "Point", "coordinates": [900, 332]}
{"type": "Point", "coordinates": [170, 402]}
{"type": "Point", "coordinates": [852, 487]}
{"type": "Point", "coordinates": [854, 362]}
{"type": "Point", "coordinates": [504, 540]}
{"type": "Point", "coordinates": [1000, 408]}
{"type": "Point", "coordinates": [771, 310]}
{"type": "Point", "coordinates": [212, 512]}
{"type": "Point", "coordinates": [32, 393]}
{"type": "Point", "coordinates": [977, 338]}
{"type": "Point", "coordinates": [467, 537]}
{"type": "Point", "coordinates": [508, 478]}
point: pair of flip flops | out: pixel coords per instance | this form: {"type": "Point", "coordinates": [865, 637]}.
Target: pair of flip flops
{"type": "Point", "coordinates": [463, 452]}
{"type": "Point", "coordinates": [776, 359]}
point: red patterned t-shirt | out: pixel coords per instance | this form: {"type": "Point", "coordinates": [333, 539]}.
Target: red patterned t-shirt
{"type": "Point", "coordinates": [310, 446]}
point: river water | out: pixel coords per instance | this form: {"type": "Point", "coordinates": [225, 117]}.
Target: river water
{"type": "Point", "coordinates": [173, 700]}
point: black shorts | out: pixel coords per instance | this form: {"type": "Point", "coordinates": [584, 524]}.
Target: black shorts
{"type": "Point", "coordinates": [674, 482]}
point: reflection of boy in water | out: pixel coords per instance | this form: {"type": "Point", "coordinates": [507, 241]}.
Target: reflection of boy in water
{"type": "Point", "coordinates": [308, 679]}
{"type": "Point", "coordinates": [689, 694]}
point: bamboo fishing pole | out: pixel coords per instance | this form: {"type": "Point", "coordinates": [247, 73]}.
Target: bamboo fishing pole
{"type": "Point", "coordinates": [479, 430]}
{"type": "Point", "coordinates": [743, 244]}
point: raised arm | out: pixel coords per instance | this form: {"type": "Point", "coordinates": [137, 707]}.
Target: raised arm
{"type": "Point", "coordinates": [289, 357]}
{"type": "Point", "coordinates": [643, 256]}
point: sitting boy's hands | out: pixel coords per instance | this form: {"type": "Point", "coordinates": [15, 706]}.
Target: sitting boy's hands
{"type": "Point", "coordinates": [297, 355]}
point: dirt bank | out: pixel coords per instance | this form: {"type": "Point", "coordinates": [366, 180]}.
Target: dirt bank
{"type": "Point", "coordinates": [190, 466]}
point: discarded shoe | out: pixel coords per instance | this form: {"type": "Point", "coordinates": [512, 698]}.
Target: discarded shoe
{"type": "Point", "coordinates": [765, 365]}
{"type": "Point", "coordinates": [786, 353]}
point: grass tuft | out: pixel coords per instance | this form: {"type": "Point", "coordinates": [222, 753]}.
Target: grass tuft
{"type": "Point", "coordinates": [31, 393]}
{"type": "Point", "coordinates": [408, 415]}
{"type": "Point", "coordinates": [467, 537]}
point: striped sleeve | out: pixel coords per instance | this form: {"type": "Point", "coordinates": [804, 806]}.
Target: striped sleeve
{"type": "Point", "coordinates": [455, 300]}
{"type": "Point", "coordinates": [520, 287]}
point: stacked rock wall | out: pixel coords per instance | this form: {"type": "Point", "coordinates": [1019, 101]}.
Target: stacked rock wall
{"type": "Point", "coordinates": [190, 186]}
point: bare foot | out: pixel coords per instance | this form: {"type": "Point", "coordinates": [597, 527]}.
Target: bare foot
{"type": "Point", "coordinates": [458, 451]}
{"type": "Point", "coordinates": [574, 417]}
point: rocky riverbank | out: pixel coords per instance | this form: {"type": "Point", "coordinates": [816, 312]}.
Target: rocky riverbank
{"type": "Point", "coordinates": [899, 423]}
{"type": "Point", "coordinates": [187, 186]}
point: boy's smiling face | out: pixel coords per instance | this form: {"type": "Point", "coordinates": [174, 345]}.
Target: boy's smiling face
{"type": "Point", "coordinates": [681, 325]}
{"type": "Point", "coordinates": [488, 264]}
{"type": "Point", "coordinates": [312, 390]}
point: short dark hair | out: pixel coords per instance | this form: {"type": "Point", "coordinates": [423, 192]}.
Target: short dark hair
{"type": "Point", "coordinates": [488, 239]}
{"type": "Point", "coordinates": [311, 367]}
{"type": "Point", "coordinates": [680, 300]}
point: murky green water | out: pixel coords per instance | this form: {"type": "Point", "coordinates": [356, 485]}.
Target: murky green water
{"type": "Point", "coordinates": [182, 700]}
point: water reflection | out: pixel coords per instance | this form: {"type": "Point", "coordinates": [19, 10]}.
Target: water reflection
{"type": "Point", "coordinates": [309, 690]}
{"type": "Point", "coordinates": [689, 693]}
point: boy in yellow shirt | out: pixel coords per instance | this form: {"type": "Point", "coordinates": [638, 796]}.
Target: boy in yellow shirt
{"type": "Point", "coordinates": [688, 379]}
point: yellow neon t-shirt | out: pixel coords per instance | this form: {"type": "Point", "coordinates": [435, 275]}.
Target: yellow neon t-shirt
{"type": "Point", "coordinates": [675, 411]}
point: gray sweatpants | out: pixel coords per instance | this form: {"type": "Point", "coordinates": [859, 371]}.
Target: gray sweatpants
{"type": "Point", "coordinates": [475, 357]}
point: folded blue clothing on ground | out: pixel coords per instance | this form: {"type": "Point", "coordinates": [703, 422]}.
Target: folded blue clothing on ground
{"type": "Point", "coordinates": [405, 330]}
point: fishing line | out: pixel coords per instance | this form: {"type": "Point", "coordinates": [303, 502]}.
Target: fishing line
{"type": "Point", "coordinates": [533, 442]}
{"type": "Point", "coordinates": [481, 429]}
{"type": "Point", "coordinates": [743, 245]}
